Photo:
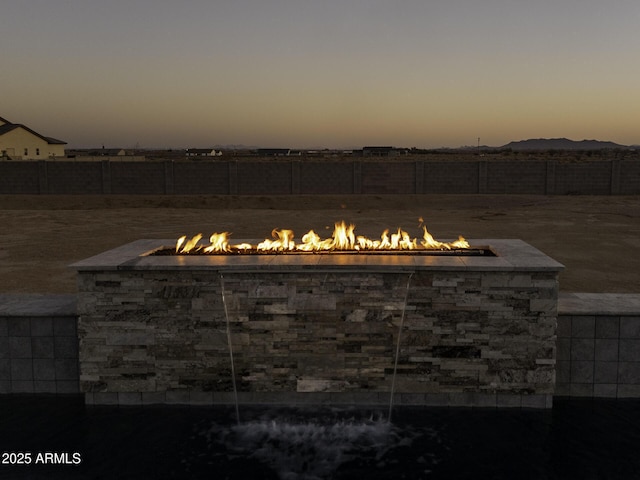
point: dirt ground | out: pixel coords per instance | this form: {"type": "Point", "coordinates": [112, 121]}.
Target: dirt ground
{"type": "Point", "coordinates": [595, 237]}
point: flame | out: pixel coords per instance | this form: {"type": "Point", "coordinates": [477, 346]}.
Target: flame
{"type": "Point", "coordinates": [342, 239]}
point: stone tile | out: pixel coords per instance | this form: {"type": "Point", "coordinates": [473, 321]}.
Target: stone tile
{"type": "Point", "coordinates": [599, 303]}
{"type": "Point", "coordinates": [582, 372]}
{"type": "Point", "coordinates": [605, 390]}
{"type": "Point", "coordinates": [564, 326]}
{"type": "Point", "coordinates": [18, 327]}
{"type": "Point", "coordinates": [563, 351]}
{"type": "Point", "coordinates": [463, 399]}
{"type": "Point", "coordinates": [153, 398]}
{"type": "Point", "coordinates": [178, 397]}
{"type": "Point", "coordinates": [436, 399]}
{"type": "Point", "coordinates": [629, 373]}
{"type": "Point", "coordinates": [65, 327]}
{"type": "Point", "coordinates": [44, 386]}
{"type": "Point", "coordinates": [581, 390]}
{"type": "Point", "coordinates": [200, 398]}
{"type": "Point", "coordinates": [605, 372]}
{"type": "Point", "coordinates": [41, 327]}
{"type": "Point", "coordinates": [563, 390]}
{"type": "Point", "coordinates": [42, 347]}
{"type": "Point", "coordinates": [506, 400]}
{"type": "Point", "coordinates": [36, 305]}
{"type": "Point", "coordinates": [22, 386]}
{"type": "Point", "coordinates": [44, 369]}
{"type": "Point", "coordinates": [66, 347]}
{"type": "Point", "coordinates": [630, 327]}
{"type": "Point", "coordinates": [583, 326]}
{"type": "Point", "coordinates": [534, 401]}
{"type": "Point", "coordinates": [5, 369]}
{"type": "Point", "coordinates": [484, 400]}
{"type": "Point", "coordinates": [629, 350]}
{"type": "Point", "coordinates": [105, 398]}
{"type": "Point", "coordinates": [67, 386]}
{"type": "Point", "coordinates": [563, 372]}
{"type": "Point", "coordinates": [20, 347]}
{"type": "Point", "coordinates": [582, 349]}
{"type": "Point", "coordinates": [607, 326]}
{"type": "Point", "coordinates": [129, 398]}
{"type": "Point", "coordinates": [628, 391]}
{"type": "Point", "coordinates": [411, 399]}
{"type": "Point", "coordinates": [606, 350]}
{"type": "Point", "coordinates": [21, 369]}
{"type": "Point", "coordinates": [67, 369]}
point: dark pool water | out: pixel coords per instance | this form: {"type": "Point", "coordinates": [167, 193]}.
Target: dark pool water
{"type": "Point", "coordinates": [577, 439]}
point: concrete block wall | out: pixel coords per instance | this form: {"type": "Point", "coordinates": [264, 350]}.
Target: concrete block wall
{"type": "Point", "coordinates": [598, 352]}
{"type": "Point", "coordinates": [351, 176]}
{"type": "Point", "coordinates": [38, 344]}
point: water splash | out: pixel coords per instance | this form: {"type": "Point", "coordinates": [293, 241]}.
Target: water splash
{"type": "Point", "coordinates": [287, 446]}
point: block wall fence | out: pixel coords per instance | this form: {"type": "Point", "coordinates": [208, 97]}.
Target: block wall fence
{"type": "Point", "coordinates": [312, 177]}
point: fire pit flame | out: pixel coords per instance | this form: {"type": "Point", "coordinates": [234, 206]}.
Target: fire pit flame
{"type": "Point", "coordinates": [342, 239]}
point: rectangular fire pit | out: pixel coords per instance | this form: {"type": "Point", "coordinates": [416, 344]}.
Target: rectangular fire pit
{"type": "Point", "coordinates": [472, 330]}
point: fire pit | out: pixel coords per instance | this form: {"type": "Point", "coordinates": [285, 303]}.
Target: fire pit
{"type": "Point", "coordinates": [348, 327]}
{"type": "Point", "coordinates": [342, 241]}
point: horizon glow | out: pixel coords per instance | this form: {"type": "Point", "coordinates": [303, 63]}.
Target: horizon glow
{"type": "Point", "coordinates": [335, 74]}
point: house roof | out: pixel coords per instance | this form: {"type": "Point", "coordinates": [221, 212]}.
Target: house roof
{"type": "Point", "coordinates": [8, 127]}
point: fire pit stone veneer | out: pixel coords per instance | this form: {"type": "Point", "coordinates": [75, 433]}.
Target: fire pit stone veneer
{"type": "Point", "coordinates": [319, 328]}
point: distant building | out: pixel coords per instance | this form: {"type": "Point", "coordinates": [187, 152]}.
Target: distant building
{"type": "Point", "coordinates": [379, 151]}
{"type": "Point", "coordinates": [273, 152]}
{"type": "Point", "coordinates": [202, 152]}
{"type": "Point", "coordinates": [107, 152]}
{"type": "Point", "coordinates": [19, 142]}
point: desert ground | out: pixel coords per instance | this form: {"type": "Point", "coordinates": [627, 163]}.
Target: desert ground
{"type": "Point", "coordinates": [595, 237]}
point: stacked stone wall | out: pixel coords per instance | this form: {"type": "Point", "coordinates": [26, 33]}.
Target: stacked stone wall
{"type": "Point", "coordinates": [470, 336]}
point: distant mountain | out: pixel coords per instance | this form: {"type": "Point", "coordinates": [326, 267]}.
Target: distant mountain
{"type": "Point", "coordinates": [560, 144]}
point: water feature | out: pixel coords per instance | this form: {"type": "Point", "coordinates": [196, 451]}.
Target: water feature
{"type": "Point", "coordinates": [233, 369]}
{"type": "Point", "coordinates": [576, 439]}
{"type": "Point", "coordinates": [397, 356]}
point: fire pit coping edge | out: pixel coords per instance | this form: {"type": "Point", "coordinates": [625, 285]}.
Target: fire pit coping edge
{"type": "Point", "coordinates": [511, 255]}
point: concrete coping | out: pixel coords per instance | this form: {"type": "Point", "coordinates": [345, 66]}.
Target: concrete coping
{"type": "Point", "coordinates": [598, 304]}
{"type": "Point", "coordinates": [511, 255]}
{"type": "Point", "coordinates": [37, 305]}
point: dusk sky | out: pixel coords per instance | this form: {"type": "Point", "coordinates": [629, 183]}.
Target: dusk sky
{"type": "Point", "coordinates": [323, 73]}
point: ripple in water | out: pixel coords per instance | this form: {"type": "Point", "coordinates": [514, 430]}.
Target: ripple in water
{"type": "Point", "coordinates": [298, 447]}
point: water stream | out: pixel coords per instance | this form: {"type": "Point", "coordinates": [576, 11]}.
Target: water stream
{"type": "Point", "coordinates": [233, 369]}
{"type": "Point", "coordinates": [395, 361]}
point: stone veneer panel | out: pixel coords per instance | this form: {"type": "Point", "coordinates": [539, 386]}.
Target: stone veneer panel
{"type": "Point", "coordinates": [158, 328]}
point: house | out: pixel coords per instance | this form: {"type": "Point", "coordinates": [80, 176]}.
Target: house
{"type": "Point", "coordinates": [19, 142]}
{"type": "Point", "coordinates": [202, 152]}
